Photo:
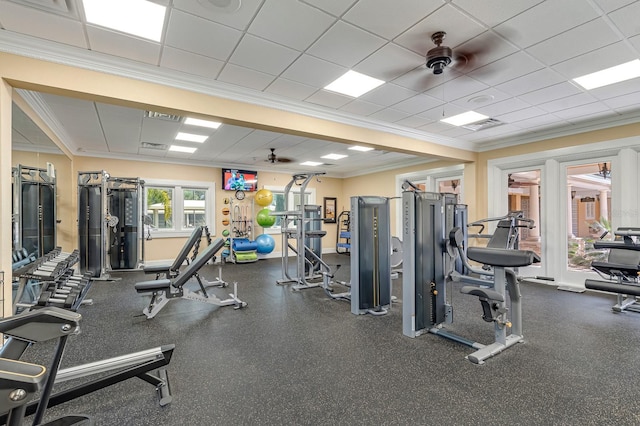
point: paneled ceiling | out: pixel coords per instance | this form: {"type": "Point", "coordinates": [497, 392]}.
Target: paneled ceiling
{"type": "Point", "coordinates": [522, 57]}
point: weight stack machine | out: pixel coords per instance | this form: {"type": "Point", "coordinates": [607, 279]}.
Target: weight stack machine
{"type": "Point", "coordinates": [34, 209]}
{"type": "Point", "coordinates": [428, 258]}
{"type": "Point", "coordinates": [110, 228]}
{"type": "Point", "coordinates": [370, 233]}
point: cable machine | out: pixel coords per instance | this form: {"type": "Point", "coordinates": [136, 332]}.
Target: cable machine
{"type": "Point", "coordinates": [34, 209]}
{"type": "Point", "coordinates": [110, 228]}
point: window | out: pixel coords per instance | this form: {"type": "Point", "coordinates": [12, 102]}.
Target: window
{"type": "Point", "coordinates": [175, 208]}
{"type": "Point", "coordinates": [278, 204]}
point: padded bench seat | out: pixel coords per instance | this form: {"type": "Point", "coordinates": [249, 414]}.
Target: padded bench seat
{"type": "Point", "coordinates": [156, 269]}
{"type": "Point", "coordinates": [502, 257]}
{"type": "Point", "coordinates": [628, 289]}
{"type": "Point", "coordinates": [153, 285]}
{"type": "Point", "coordinates": [617, 268]}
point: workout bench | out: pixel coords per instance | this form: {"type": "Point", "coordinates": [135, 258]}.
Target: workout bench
{"type": "Point", "coordinates": [166, 289]}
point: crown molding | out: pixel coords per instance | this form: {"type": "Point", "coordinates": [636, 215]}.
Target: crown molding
{"type": "Point", "coordinates": [32, 47]}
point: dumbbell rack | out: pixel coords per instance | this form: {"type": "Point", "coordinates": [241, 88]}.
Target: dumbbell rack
{"type": "Point", "coordinates": [51, 281]}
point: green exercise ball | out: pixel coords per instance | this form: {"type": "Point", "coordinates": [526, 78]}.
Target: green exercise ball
{"type": "Point", "coordinates": [264, 219]}
{"type": "Point", "coordinates": [225, 232]}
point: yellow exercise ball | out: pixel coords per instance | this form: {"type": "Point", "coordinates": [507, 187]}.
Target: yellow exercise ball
{"type": "Point", "coordinates": [263, 197]}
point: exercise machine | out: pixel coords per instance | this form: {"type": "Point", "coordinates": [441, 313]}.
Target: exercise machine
{"type": "Point", "coordinates": [51, 323]}
{"type": "Point", "coordinates": [34, 209]}
{"type": "Point", "coordinates": [370, 255]}
{"type": "Point", "coordinates": [301, 233]}
{"type": "Point", "coordinates": [164, 290]}
{"type": "Point", "coordinates": [110, 223]}
{"type": "Point", "coordinates": [621, 270]}
{"type": "Point", "coordinates": [433, 237]}
{"type": "Point", "coordinates": [343, 236]}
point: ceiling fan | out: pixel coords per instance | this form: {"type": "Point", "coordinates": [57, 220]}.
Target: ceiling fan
{"type": "Point", "coordinates": [441, 57]}
{"type": "Point", "coordinates": [273, 158]}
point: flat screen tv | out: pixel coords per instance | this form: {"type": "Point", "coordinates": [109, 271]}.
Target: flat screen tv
{"type": "Point", "coordinates": [233, 179]}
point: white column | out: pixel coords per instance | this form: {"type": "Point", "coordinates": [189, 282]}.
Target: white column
{"type": "Point", "coordinates": [534, 211]}
{"type": "Point", "coordinates": [569, 212]}
{"type": "Point", "coordinates": [604, 205]}
{"type": "Point", "coordinates": [5, 198]}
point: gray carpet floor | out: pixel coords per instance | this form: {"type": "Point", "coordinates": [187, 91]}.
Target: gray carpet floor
{"type": "Point", "coordinates": [301, 358]}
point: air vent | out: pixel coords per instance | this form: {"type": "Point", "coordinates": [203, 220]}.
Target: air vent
{"type": "Point", "coordinates": [484, 124]}
{"type": "Point", "coordinates": [158, 146]}
{"type": "Point", "coordinates": [59, 7]}
{"type": "Point", "coordinates": [162, 116]}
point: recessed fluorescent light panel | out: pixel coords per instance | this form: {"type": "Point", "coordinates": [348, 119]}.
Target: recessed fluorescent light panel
{"type": "Point", "coordinates": [310, 163]}
{"type": "Point", "coordinates": [360, 148]}
{"type": "Point", "coordinates": [137, 17]}
{"type": "Point", "coordinates": [190, 137]}
{"type": "Point", "coordinates": [178, 148]}
{"type": "Point", "coordinates": [334, 156]}
{"type": "Point", "coordinates": [464, 118]}
{"type": "Point", "coordinates": [202, 123]}
{"type": "Point", "coordinates": [354, 84]}
{"type": "Point", "coordinates": [616, 74]}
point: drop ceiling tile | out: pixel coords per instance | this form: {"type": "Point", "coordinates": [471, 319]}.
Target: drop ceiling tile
{"type": "Point", "coordinates": [461, 87]}
{"type": "Point", "coordinates": [361, 107]}
{"type": "Point", "coordinates": [623, 101]}
{"type": "Point", "coordinates": [551, 93]}
{"type": "Point", "coordinates": [456, 132]}
{"type": "Point", "coordinates": [503, 107]}
{"type": "Point", "coordinates": [435, 127]}
{"type": "Point", "coordinates": [458, 26]}
{"type": "Point", "coordinates": [417, 104]}
{"type": "Point", "coordinates": [611, 5]}
{"type": "Point", "coordinates": [329, 99]}
{"type": "Point", "coordinates": [121, 127]}
{"type": "Point", "coordinates": [482, 98]}
{"type": "Point", "coordinates": [414, 121]}
{"type": "Point", "coordinates": [582, 110]}
{"type": "Point", "coordinates": [313, 71]}
{"type": "Point", "coordinates": [191, 63]}
{"type": "Point", "coordinates": [507, 68]}
{"type": "Point", "coordinates": [26, 20]}
{"type": "Point", "coordinates": [421, 78]}
{"type": "Point", "coordinates": [239, 19]}
{"type": "Point", "coordinates": [389, 62]}
{"type": "Point", "coordinates": [152, 152]}
{"type": "Point", "coordinates": [567, 102]}
{"type": "Point", "coordinates": [290, 23]}
{"type": "Point", "coordinates": [599, 59]}
{"type": "Point", "coordinates": [626, 19]}
{"type": "Point", "coordinates": [85, 132]}
{"type": "Point", "coordinates": [541, 122]}
{"type": "Point", "coordinates": [486, 48]}
{"type": "Point", "coordinates": [599, 115]}
{"type": "Point", "coordinates": [245, 77]}
{"type": "Point", "coordinates": [386, 18]}
{"type": "Point", "coordinates": [389, 114]}
{"type": "Point", "coordinates": [635, 41]}
{"type": "Point", "coordinates": [577, 41]}
{"type": "Point", "coordinates": [617, 89]}
{"type": "Point", "coordinates": [197, 35]}
{"type": "Point", "coordinates": [345, 44]}
{"type": "Point", "coordinates": [262, 55]}
{"type": "Point", "coordinates": [122, 45]}
{"type": "Point", "coordinates": [156, 130]}
{"type": "Point", "coordinates": [388, 94]}
{"type": "Point", "coordinates": [493, 12]}
{"type": "Point", "coordinates": [442, 111]}
{"type": "Point", "coordinates": [526, 29]}
{"type": "Point", "coordinates": [290, 89]}
{"type": "Point", "coordinates": [523, 114]}
{"type": "Point", "coordinates": [530, 82]}
{"type": "Point", "coordinates": [334, 7]}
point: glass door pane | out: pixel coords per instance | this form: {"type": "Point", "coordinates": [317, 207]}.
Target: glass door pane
{"type": "Point", "coordinates": [524, 197]}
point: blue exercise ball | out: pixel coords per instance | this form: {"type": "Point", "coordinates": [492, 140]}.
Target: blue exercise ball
{"type": "Point", "coordinates": [266, 243]}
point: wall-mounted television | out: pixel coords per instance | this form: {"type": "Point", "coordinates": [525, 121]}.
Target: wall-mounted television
{"type": "Point", "coordinates": [233, 179]}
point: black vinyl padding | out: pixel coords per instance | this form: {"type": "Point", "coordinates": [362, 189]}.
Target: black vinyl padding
{"type": "Point", "coordinates": [180, 258]}
{"type": "Point", "coordinates": [611, 287]}
{"type": "Point", "coordinates": [617, 269]}
{"type": "Point", "coordinates": [616, 245]}
{"type": "Point", "coordinates": [502, 257]}
{"type": "Point", "coordinates": [189, 271]}
{"type": "Point", "coordinates": [482, 292]}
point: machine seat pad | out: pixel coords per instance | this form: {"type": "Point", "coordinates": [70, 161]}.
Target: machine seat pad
{"type": "Point", "coordinates": [611, 287]}
{"type": "Point", "coordinates": [156, 269]}
{"type": "Point", "coordinates": [608, 268]}
{"type": "Point", "coordinates": [482, 292]}
{"type": "Point", "coordinates": [153, 285]}
{"type": "Point", "coordinates": [502, 257]}
{"type": "Point", "coordinates": [620, 245]}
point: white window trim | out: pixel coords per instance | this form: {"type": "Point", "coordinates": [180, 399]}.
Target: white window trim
{"type": "Point", "coordinates": [178, 204]}
{"type": "Point", "coordinates": [273, 188]}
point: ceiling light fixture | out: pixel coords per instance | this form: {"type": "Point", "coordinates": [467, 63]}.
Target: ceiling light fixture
{"type": "Point", "coordinates": [137, 17]}
{"type": "Point", "coordinates": [354, 84]}
{"type": "Point", "coordinates": [360, 148]}
{"type": "Point", "coordinates": [616, 74]}
{"type": "Point", "coordinates": [178, 148]}
{"type": "Point", "coordinates": [464, 118]}
{"type": "Point", "coordinates": [202, 123]}
{"type": "Point", "coordinates": [334, 156]}
{"type": "Point", "coordinates": [190, 137]}
{"type": "Point", "coordinates": [310, 163]}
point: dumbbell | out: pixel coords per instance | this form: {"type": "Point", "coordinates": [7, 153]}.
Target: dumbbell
{"type": "Point", "coordinates": [53, 299]}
